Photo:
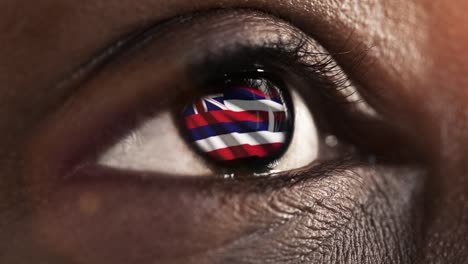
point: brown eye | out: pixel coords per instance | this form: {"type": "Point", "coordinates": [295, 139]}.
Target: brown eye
{"type": "Point", "coordinates": [249, 120]}
{"type": "Point", "coordinates": [259, 105]}
{"type": "Point", "coordinates": [239, 127]}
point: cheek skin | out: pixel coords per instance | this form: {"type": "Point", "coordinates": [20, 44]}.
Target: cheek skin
{"type": "Point", "coordinates": [317, 219]}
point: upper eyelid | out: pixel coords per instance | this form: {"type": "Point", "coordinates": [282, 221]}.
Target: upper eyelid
{"type": "Point", "coordinates": [267, 31]}
{"type": "Point", "coordinates": [142, 37]}
{"type": "Point", "coordinates": [127, 42]}
{"type": "Point", "coordinates": [137, 37]}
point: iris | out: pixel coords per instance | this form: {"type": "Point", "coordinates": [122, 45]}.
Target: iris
{"type": "Point", "coordinates": [248, 119]}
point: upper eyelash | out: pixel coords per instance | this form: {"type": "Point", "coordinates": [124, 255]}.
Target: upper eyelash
{"type": "Point", "coordinates": [319, 68]}
{"type": "Point", "coordinates": [296, 50]}
{"type": "Point", "coordinates": [341, 82]}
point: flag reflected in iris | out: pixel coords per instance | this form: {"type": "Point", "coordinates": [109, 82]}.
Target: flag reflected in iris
{"type": "Point", "coordinates": [242, 122]}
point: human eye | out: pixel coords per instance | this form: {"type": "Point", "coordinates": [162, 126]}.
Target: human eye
{"type": "Point", "coordinates": [247, 124]}
{"type": "Point", "coordinates": [123, 165]}
{"type": "Point", "coordinates": [268, 101]}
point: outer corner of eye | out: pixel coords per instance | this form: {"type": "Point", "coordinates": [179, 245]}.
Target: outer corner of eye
{"type": "Point", "coordinates": [248, 123]}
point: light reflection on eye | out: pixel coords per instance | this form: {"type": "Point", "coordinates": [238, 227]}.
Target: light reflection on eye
{"type": "Point", "coordinates": [250, 124]}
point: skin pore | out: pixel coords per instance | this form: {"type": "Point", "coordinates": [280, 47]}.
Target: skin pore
{"type": "Point", "coordinates": [413, 74]}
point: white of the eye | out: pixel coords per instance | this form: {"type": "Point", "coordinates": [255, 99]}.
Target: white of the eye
{"type": "Point", "coordinates": [304, 146]}
{"type": "Point", "coordinates": [156, 146]}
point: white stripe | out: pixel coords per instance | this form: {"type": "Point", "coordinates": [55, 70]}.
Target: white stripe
{"type": "Point", "coordinates": [236, 139]}
{"type": "Point", "coordinates": [271, 121]}
{"type": "Point", "coordinates": [205, 107]}
{"type": "Point", "coordinates": [253, 105]}
{"type": "Point", "coordinates": [271, 116]}
{"type": "Point", "coordinates": [194, 108]}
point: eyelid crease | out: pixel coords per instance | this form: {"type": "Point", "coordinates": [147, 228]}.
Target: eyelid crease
{"type": "Point", "coordinates": [300, 48]}
{"type": "Point", "coordinates": [125, 44]}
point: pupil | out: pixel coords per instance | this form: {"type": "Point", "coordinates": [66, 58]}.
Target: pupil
{"type": "Point", "coordinates": [248, 120]}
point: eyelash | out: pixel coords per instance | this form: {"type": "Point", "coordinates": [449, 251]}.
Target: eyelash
{"type": "Point", "coordinates": [247, 60]}
{"type": "Point", "coordinates": [328, 84]}
{"type": "Point", "coordinates": [325, 76]}
{"type": "Point", "coordinates": [322, 78]}
{"type": "Point", "coordinates": [338, 107]}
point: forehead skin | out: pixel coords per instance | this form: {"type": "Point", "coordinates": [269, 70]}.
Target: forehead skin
{"type": "Point", "coordinates": [419, 53]}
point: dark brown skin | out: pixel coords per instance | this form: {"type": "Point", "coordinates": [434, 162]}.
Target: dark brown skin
{"type": "Point", "coordinates": [414, 74]}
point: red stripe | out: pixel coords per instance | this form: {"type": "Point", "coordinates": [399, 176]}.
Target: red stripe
{"type": "Point", "coordinates": [199, 106]}
{"type": "Point", "coordinates": [227, 116]}
{"type": "Point", "coordinates": [246, 151]}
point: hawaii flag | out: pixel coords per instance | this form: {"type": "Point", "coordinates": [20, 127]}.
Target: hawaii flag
{"type": "Point", "coordinates": [242, 122]}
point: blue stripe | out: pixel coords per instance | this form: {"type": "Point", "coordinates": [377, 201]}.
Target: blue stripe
{"type": "Point", "coordinates": [227, 128]}
{"type": "Point", "coordinates": [212, 107]}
